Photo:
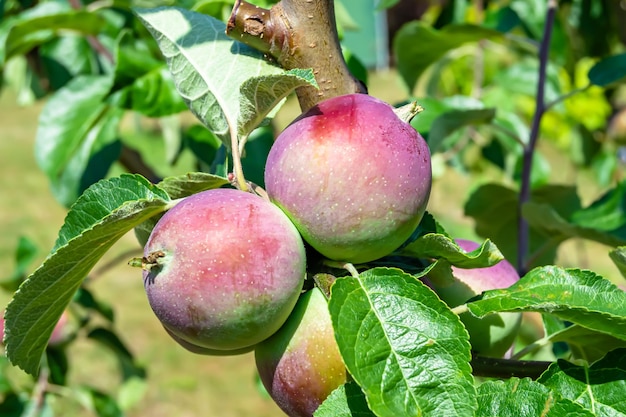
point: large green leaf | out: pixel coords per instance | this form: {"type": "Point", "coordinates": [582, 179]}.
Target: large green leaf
{"type": "Point", "coordinates": [77, 136]}
{"type": "Point", "coordinates": [524, 398]}
{"type": "Point", "coordinates": [587, 344]}
{"type": "Point", "coordinates": [416, 46]}
{"type": "Point", "coordinates": [193, 182]}
{"type": "Point", "coordinates": [599, 388]}
{"type": "Point", "coordinates": [101, 216]}
{"type": "Point", "coordinates": [228, 85]}
{"type": "Point", "coordinates": [403, 346]}
{"type": "Point", "coordinates": [579, 296]}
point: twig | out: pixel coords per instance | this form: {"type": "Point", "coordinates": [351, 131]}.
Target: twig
{"type": "Point", "coordinates": [298, 34]}
{"type": "Point", "coordinates": [529, 149]}
{"type": "Point", "coordinates": [507, 368]}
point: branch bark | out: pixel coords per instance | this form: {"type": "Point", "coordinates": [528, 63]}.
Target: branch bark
{"type": "Point", "coordinates": [298, 34]}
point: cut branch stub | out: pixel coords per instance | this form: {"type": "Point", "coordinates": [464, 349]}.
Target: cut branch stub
{"type": "Point", "coordinates": [298, 34]}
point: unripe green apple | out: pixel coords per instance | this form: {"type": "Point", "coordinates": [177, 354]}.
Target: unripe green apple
{"type": "Point", "coordinates": [352, 176]}
{"type": "Point", "coordinates": [300, 365]}
{"type": "Point", "coordinates": [223, 270]}
{"type": "Point", "coordinates": [494, 334]}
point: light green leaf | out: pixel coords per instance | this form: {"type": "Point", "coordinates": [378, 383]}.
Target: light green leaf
{"type": "Point", "coordinates": [210, 70]}
{"type": "Point", "coordinates": [346, 401]}
{"type": "Point", "coordinates": [76, 126]}
{"type": "Point", "coordinates": [579, 296]}
{"type": "Point", "coordinates": [403, 346]}
{"type": "Point", "coordinates": [524, 398]}
{"type": "Point", "coordinates": [101, 216]}
{"type": "Point", "coordinates": [42, 23]}
{"type": "Point", "coordinates": [618, 255]}
{"type": "Point", "coordinates": [259, 95]}
{"type": "Point", "coordinates": [599, 388]}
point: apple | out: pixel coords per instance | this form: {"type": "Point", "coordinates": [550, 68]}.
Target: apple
{"type": "Point", "coordinates": [492, 335]}
{"type": "Point", "coordinates": [352, 176]}
{"type": "Point", "coordinates": [223, 270]}
{"type": "Point", "coordinates": [61, 333]}
{"type": "Point", "coordinates": [300, 365]}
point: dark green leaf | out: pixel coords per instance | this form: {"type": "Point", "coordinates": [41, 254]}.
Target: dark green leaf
{"type": "Point", "coordinates": [346, 401]}
{"type": "Point", "coordinates": [190, 183]}
{"type": "Point", "coordinates": [524, 398]}
{"type": "Point", "coordinates": [407, 351]}
{"type": "Point", "coordinates": [579, 296]}
{"type": "Point", "coordinates": [111, 341]}
{"type": "Point", "coordinates": [101, 216]}
{"type": "Point", "coordinates": [85, 298]}
{"type": "Point", "coordinates": [451, 121]}
{"type": "Point", "coordinates": [77, 136]}
{"type": "Point", "coordinates": [416, 46]}
{"type": "Point", "coordinates": [494, 209]}
{"type": "Point", "coordinates": [599, 388]}
{"type": "Point", "coordinates": [610, 70]}
{"type": "Point", "coordinates": [618, 255]}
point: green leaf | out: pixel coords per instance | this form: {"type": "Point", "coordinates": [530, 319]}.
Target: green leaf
{"type": "Point", "coordinates": [544, 218]}
{"type": "Point", "coordinates": [517, 397]}
{"type": "Point", "coordinates": [403, 346]}
{"type": "Point", "coordinates": [416, 46]}
{"type": "Point", "coordinates": [610, 70]}
{"type": "Point", "coordinates": [494, 209]}
{"type": "Point", "coordinates": [579, 296]}
{"type": "Point", "coordinates": [190, 183]}
{"type": "Point", "coordinates": [608, 213]}
{"type": "Point", "coordinates": [618, 256]}
{"type": "Point", "coordinates": [45, 22]}
{"type": "Point", "coordinates": [599, 388]}
{"type": "Point", "coordinates": [587, 344]}
{"type": "Point", "coordinates": [101, 216]}
{"type": "Point", "coordinates": [76, 139]}
{"type": "Point", "coordinates": [442, 247]}
{"type": "Point", "coordinates": [346, 401]}
{"type": "Point", "coordinates": [213, 72]}
{"type": "Point", "coordinates": [259, 95]}
{"type": "Point", "coordinates": [451, 121]}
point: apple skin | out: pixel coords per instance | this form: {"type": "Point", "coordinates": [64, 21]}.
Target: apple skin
{"type": "Point", "coordinates": [231, 269]}
{"type": "Point", "coordinates": [61, 333]}
{"type": "Point", "coordinates": [494, 334]}
{"type": "Point", "coordinates": [352, 176]}
{"type": "Point", "coordinates": [300, 365]}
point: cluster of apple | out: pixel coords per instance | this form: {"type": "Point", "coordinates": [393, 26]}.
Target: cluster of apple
{"type": "Point", "coordinates": [224, 270]}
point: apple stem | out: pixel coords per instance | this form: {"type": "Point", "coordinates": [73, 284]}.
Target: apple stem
{"type": "Point", "coordinates": [407, 112]}
{"type": "Point", "coordinates": [460, 309]}
{"type": "Point", "coordinates": [351, 269]}
{"type": "Point", "coordinates": [507, 368]}
{"type": "Point", "coordinates": [239, 180]}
